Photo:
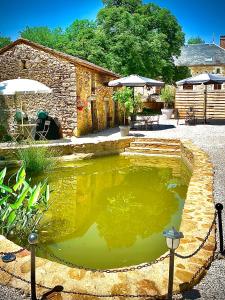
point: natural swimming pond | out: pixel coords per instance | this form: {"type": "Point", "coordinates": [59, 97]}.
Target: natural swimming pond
{"type": "Point", "coordinates": [110, 212]}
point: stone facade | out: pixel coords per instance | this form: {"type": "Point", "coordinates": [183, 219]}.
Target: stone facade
{"type": "Point", "coordinates": [197, 219]}
{"type": "Point", "coordinates": [70, 80]}
{"type": "Point", "coordinates": [195, 70]}
{"type": "Point", "coordinates": [95, 103]}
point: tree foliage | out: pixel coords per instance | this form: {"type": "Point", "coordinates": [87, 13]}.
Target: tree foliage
{"type": "Point", "coordinates": [196, 40]}
{"type": "Point", "coordinates": [4, 41]}
{"type": "Point", "coordinates": [127, 37]}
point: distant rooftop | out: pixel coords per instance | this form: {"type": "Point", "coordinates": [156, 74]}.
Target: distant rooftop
{"type": "Point", "coordinates": [201, 54]}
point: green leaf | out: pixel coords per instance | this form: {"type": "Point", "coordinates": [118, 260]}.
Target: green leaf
{"type": "Point", "coordinates": [7, 212]}
{"type": "Point", "coordinates": [20, 178]}
{"type": "Point", "coordinates": [34, 196]}
{"type": "Point", "coordinates": [6, 188]}
{"type": "Point", "coordinates": [2, 175]}
{"type": "Point", "coordinates": [4, 199]}
{"type": "Point", "coordinates": [20, 198]}
{"type": "Point", "coordinates": [11, 217]}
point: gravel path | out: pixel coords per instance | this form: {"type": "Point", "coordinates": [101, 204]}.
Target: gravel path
{"type": "Point", "coordinates": [209, 137]}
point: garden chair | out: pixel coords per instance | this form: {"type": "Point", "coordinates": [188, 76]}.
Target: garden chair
{"type": "Point", "coordinates": [190, 117]}
{"type": "Point", "coordinates": [42, 134]}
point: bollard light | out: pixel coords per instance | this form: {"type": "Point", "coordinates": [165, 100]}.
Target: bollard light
{"type": "Point", "coordinates": [173, 238]}
{"type": "Point", "coordinates": [33, 240]}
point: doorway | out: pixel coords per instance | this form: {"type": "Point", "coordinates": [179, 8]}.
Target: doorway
{"type": "Point", "coordinates": [107, 114]}
{"type": "Point", "coordinates": [94, 116]}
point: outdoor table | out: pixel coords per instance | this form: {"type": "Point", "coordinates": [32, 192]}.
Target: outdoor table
{"type": "Point", "coordinates": [28, 130]}
{"type": "Point", "coordinates": [146, 121]}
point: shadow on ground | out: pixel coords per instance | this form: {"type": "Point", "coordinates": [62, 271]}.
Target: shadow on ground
{"type": "Point", "coordinates": [191, 295]}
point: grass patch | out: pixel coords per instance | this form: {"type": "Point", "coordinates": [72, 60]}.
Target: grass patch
{"type": "Point", "coordinates": [37, 159]}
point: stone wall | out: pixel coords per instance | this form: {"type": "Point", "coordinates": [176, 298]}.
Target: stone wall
{"type": "Point", "coordinates": [101, 98]}
{"type": "Point", "coordinates": [27, 62]}
{"type": "Point", "coordinates": [195, 70]}
{"type": "Point", "coordinates": [96, 149]}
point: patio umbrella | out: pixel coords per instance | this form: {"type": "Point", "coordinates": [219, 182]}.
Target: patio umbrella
{"type": "Point", "coordinates": [206, 79]}
{"type": "Point", "coordinates": [135, 81]}
{"type": "Point", "coordinates": [22, 86]}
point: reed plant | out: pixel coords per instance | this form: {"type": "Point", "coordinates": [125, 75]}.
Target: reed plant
{"type": "Point", "coordinates": [37, 159]}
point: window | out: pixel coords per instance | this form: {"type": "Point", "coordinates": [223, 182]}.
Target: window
{"type": "Point", "coordinates": [217, 86]}
{"type": "Point", "coordinates": [93, 84]}
{"type": "Point", "coordinates": [24, 64]}
{"type": "Point", "coordinates": [188, 87]}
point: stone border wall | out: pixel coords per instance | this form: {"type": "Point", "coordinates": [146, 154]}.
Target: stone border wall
{"type": "Point", "coordinates": [198, 215]}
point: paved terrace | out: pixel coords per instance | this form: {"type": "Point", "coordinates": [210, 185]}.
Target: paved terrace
{"type": "Point", "coordinates": [211, 138]}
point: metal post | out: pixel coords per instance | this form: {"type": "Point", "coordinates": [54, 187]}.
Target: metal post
{"type": "Point", "coordinates": [33, 240]}
{"type": "Point", "coordinates": [219, 208]}
{"type": "Point", "coordinates": [205, 105]}
{"type": "Point", "coordinates": [171, 274]}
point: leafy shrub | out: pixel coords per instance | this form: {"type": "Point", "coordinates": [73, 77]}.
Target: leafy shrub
{"type": "Point", "coordinates": [124, 98]}
{"type": "Point", "coordinates": [21, 205]}
{"type": "Point", "coordinates": [168, 95]}
{"type": "Point", "coordinates": [36, 159]}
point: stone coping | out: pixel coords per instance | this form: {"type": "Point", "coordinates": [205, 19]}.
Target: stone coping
{"type": "Point", "coordinates": [198, 215]}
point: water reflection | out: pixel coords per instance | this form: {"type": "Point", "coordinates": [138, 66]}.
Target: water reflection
{"type": "Point", "coordinates": [115, 206]}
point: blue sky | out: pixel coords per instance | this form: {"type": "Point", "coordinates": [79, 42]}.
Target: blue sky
{"type": "Point", "coordinates": [197, 17]}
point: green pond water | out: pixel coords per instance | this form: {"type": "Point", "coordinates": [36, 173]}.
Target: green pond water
{"type": "Point", "coordinates": [110, 212]}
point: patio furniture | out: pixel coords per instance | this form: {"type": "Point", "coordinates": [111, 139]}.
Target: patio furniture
{"type": "Point", "coordinates": [152, 120]}
{"type": "Point", "coordinates": [145, 122]}
{"type": "Point", "coordinates": [42, 134]}
{"type": "Point", "coordinates": [176, 115]}
{"type": "Point", "coordinates": [28, 130]}
{"type": "Point", "coordinates": [190, 118]}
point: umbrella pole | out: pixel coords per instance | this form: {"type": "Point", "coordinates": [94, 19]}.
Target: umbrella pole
{"type": "Point", "coordinates": [205, 104]}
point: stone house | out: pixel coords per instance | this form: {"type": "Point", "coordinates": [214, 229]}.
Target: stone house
{"type": "Point", "coordinates": [201, 58]}
{"type": "Point", "coordinates": [81, 100]}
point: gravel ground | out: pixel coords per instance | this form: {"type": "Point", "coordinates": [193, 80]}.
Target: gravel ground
{"type": "Point", "coordinates": [211, 138]}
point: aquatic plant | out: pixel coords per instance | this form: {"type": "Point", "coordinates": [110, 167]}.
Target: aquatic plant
{"type": "Point", "coordinates": [36, 159]}
{"type": "Point", "coordinates": [21, 205]}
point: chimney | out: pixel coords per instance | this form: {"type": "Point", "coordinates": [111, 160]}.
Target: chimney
{"type": "Point", "coordinates": [222, 41]}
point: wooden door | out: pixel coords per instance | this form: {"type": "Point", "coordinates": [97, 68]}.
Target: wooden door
{"type": "Point", "coordinates": [94, 116]}
{"type": "Point", "coordinates": [107, 114]}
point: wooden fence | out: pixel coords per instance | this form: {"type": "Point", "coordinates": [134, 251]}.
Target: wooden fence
{"type": "Point", "coordinates": [215, 104]}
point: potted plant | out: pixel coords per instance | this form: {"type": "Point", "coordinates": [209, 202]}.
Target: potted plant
{"type": "Point", "coordinates": [137, 106]}
{"type": "Point", "coordinates": [125, 99]}
{"type": "Point", "coordinates": [167, 96]}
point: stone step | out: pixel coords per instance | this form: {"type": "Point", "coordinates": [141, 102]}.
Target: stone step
{"type": "Point", "coordinates": [159, 151]}
{"type": "Point", "coordinates": [158, 140]}
{"type": "Point", "coordinates": [160, 145]}
{"type": "Point", "coordinates": [150, 155]}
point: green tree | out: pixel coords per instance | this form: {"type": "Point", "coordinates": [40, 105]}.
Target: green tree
{"type": "Point", "coordinates": [45, 36]}
{"type": "Point", "coordinates": [196, 40]}
{"type": "Point", "coordinates": [127, 37]}
{"type": "Point", "coordinates": [131, 5]}
{"type": "Point", "coordinates": [82, 40]}
{"type": "Point", "coordinates": [142, 42]}
{"type": "Point", "coordinates": [4, 41]}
